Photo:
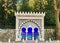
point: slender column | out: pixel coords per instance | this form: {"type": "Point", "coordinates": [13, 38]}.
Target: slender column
{"type": "Point", "coordinates": [20, 34]}
{"type": "Point", "coordinates": [33, 33]}
{"type": "Point", "coordinates": [39, 35]}
{"type": "Point", "coordinates": [26, 34]}
{"type": "Point", "coordinates": [23, 40]}
{"type": "Point", "coordinates": [36, 41]}
{"type": "Point", "coordinates": [33, 38]}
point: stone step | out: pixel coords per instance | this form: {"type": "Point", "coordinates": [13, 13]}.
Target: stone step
{"type": "Point", "coordinates": [31, 41]}
{"type": "Point", "coordinates": [19, 42]}
{"type": "Point", "coordinates": [41, 42]}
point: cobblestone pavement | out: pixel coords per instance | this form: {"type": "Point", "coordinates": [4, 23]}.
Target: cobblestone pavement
{"type": "Point", "coordinates": [33, 42]}
{"type": "Point", "coordinates": [7, 34]}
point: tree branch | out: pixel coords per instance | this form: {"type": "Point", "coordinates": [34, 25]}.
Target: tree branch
{"type": "Point", "coordinates": [59, 9]}
{"type": "Point", "coordinates": [55, 4]}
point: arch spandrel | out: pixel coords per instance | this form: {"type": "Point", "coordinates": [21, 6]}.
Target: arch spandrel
{"type": "Point", "coordinates": [29, 23]}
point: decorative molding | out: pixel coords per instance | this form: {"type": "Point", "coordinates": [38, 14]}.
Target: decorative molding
{"type": "Point", "coordinates": [27, 22]}
{"type": "Point", "coordinates": [29, 13]}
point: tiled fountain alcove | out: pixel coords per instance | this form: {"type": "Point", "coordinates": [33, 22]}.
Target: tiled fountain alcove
{"type": "Point", "coordinates": [29, 26]}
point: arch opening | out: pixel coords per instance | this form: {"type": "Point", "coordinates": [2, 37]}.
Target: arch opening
{"type": "Point", "coordinates": [23, 33]}
{"type": "Point", "coordinates": [36, 33]}
{"type": "Point", "coordinates": [30, 31]}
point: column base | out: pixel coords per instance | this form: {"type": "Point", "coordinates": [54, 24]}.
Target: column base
{"type": "Point", "coordinates": [18, 40]}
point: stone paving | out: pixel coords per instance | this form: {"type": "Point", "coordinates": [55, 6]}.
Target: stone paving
{"type": "Point", "coordinates": [7, 34]}
{"type": "Point", "coordinates": [33, 42]}
{"type": "Point", "coordinates": [40, 42]}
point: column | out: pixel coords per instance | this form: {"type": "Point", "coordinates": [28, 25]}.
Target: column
{"type": "Point", "coordinates": [20, 34]}
{"type": "Point", "coordinates": [17, 30]}
{"type": "Point", "coordinates": [36, 41]}
{"type": "Point", "coordinates": [33, 34]}
{"type": "Point", "coordinates": [39, 35]}
{"type": "Point", "coordinates": [26, 33]}
{"type": "Point", "coordinates": [40, 31]}
{"type": "Point", "coordinates": [17, 34]}
{"type": "Point", "coordinates": [43, 29]}
{"type": "Point", "coordinates": [33, 38]}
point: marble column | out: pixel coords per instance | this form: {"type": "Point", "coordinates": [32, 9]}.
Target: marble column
{"type": "Point", "coordinates": [33, 34]}
{"type": "Point", "coordinates": [26, 34]}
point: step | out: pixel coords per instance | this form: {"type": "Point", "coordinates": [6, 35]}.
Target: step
{"type": "Point", "coordinates": [30, 41]}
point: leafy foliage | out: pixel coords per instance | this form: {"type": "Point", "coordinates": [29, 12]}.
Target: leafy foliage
{"type": "Point", "coordinates": [7, 13]}
{"type": "Point", "coordinates": [49, 18]}
{"type": "Point", "coordinates": [8, 7]}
